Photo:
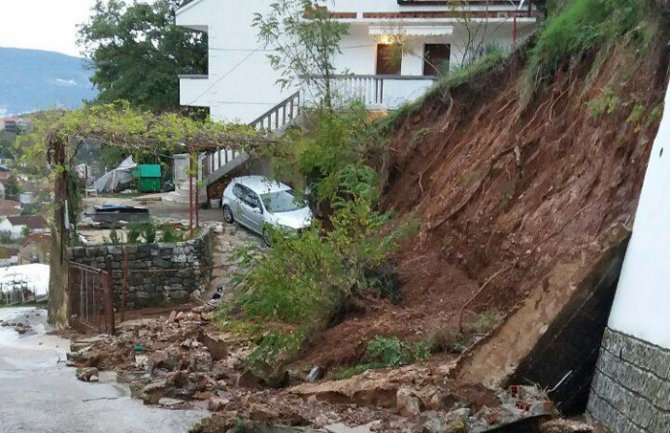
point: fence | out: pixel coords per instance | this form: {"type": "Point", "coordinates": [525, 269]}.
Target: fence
{"type": "Point", "coordinates": [91, 299]}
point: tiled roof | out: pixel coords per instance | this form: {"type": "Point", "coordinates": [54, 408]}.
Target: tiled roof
{"type": "Point", "coordinates": [33, 222]}
{"type": "Point", "coordinates": [10, 208]}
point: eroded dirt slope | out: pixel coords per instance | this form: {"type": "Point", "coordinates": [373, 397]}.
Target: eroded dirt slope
{"type": "Point", "coordinates": [505, 193]}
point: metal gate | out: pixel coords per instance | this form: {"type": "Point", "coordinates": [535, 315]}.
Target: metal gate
{"type": "Point", "coordinates": [91, 299]}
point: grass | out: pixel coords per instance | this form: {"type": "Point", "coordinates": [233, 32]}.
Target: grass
{"type": "Point", "coordinates": [386, 352]}
{"type": "Point", "coordinates": [457, 77]}
{"type": "Point", "coordinates": [579, 27]}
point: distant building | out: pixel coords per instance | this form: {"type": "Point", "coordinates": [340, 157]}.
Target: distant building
{"type": "Point", "coordinates": [34, 249]}
{"type": "Point", "coordinates": [15, 226]}
{"type": "Point", "coordinates": [14, 125]}
{"type": "Point", "coordinates": [9, 208]}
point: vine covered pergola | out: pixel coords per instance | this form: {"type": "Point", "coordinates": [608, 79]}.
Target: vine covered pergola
{"type": "Point", "coordinates": [133, 131]}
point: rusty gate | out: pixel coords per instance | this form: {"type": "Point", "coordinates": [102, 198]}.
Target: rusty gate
{"type": "Point", "coordinates": [91, 294]}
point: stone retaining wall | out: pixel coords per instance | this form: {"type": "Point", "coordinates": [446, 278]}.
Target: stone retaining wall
{"type": "Point", "coordinates": [157, 273]}
{"type": "Point", "coordinates": [630, 392]}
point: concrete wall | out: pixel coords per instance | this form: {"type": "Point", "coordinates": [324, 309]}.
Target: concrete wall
{"type": "Point", "coordinates": [631, 391]}
{"type": "Point", "coordinates": [157, 273]}
{"type": "Point", "coordinates": [241, 84]}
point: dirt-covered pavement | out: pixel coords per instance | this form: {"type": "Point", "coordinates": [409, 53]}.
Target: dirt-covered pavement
{"type": "Point", "coordinates": [38, 393]}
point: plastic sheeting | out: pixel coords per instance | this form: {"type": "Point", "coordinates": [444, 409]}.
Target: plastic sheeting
{"type": "Point", "coordinates": [118, 179]}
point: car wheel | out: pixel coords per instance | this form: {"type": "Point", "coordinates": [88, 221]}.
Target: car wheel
{"type": "Point", "coordinates": [228, 214]}
{"type": "Point", "coordinates": [267, 237]}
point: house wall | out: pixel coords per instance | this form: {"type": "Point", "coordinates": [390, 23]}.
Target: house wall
{"type": "Point", "coordinates": [15, 232]}
{"type": "Point", "coordinates": [241, 84]}
{"type": "Point", "coordinates": [631, 391]}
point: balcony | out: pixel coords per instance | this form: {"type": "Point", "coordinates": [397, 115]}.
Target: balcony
{"type": "Point", "coordinates": [377, 92]}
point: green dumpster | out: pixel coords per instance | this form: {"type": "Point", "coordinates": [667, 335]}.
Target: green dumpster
{"type": "Point", "coordinates": [149, 177]}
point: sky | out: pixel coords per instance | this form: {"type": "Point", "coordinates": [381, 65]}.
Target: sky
{"type": "Point", "coordinates": [43, 24]}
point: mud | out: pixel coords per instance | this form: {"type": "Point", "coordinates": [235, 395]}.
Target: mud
{"type": "Point", "coordinates": [507, 192]}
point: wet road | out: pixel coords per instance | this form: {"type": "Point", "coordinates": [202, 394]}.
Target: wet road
{"type": "Point", "coordinates": [39, 394]}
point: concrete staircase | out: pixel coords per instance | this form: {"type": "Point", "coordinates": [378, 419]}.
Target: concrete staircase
{"type": "Point", "coordinates": [221, 162]}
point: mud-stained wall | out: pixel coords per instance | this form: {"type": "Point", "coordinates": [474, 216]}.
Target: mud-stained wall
{"type": "Point", "coordinates": [631, 389]}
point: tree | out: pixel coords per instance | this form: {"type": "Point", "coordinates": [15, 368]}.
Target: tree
{"type": "Point", "coordinates": [306, 40]}
{"type": "Point", "coordinates": [137, 52]}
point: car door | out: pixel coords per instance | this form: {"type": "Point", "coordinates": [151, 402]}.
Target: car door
{"type": "Point", "coordinates": [255, 212]}
{"type": "Point", "coordinates": [237, 206]}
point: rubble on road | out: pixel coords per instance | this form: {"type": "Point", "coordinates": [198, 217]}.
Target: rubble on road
{"type": "Point", "coordinates": [185, 360]}
{"type": "Point", "coordinates": [19, 327]}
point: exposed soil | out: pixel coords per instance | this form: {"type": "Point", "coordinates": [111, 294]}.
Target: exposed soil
{"type": "Point", "coordinates": [505, 193]}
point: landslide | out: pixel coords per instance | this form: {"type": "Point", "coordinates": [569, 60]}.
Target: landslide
{"type": "Point", "coordinates": [506, 188]}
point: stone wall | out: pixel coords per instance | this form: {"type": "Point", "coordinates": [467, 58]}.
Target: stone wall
{"type": "Point", "coordinates": [630, 392]}
{"type": "Point", "coordinates": [157, 273]}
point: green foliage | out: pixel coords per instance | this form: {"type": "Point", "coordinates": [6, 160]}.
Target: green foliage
{"type": "Point", "coordinates": [114, 236]}
{"type": "Point", "coordinates": [149, 231]}
{"type": "Point", "coordinates": [25, 231]}
{"type": "Point", "coordinates": [314, 156]}
{"type": "Point", "coordinates": [493, 58]}
{"type": "Point", "coordinates": [7, 140]}
{"type": "Point", "coordinates": [302, 47]}
{"type": "Point", "coordinates": [636, 116]}
{"type": "Point", "coordinates": [606, 103]}
{"type": "Point", "coordinates": [11, 188]}
{"type": "Point", "coordinates": [387, 352]}
{"type": "Point", "coordinates": [273, 346]}
{"type": "Point", "coordinates": [304, 280]}
{"type": "Point", "coordinates": [578, 27]}
{"type": "Point", "coordinates": [655, 114]}
{"type": "Point", "coordinates": [134, 232]}
{"type": "Point", "coordinates": [171, 235]}
{"type": "Point", "coordinates": [137, 52]}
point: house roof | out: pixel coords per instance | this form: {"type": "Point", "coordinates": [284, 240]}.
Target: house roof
{"type": "Point", "coordinates": [10, 208]}
{"type": "Point", "coordinates": [189, 6]}
{"type": "Point", "coordinates": [32, 222]}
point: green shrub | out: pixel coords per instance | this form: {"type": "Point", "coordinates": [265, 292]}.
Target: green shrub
{"type": "Point", "coordinates": [171, 235]}
{"type": "Point", "coordinates": [114, 236]}
{"type": "Point", "coordinates": [387, 352]}
{"type": "Point", "coordinates": [149, 232]}
{"type": "Point", "coordinates": [606, 103]}
{"type": "Point", "coordinates": [134, 232]}
{"type": "Point", "coordinates": [578, 27]}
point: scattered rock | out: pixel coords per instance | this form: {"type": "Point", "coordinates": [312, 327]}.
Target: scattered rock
{"type": "Point", "coordinates": [154, 391]}
{"type": "Point", "coordinates": [88, 374]}
{"type": "Point", "coordinates": [565, 426]}
{"type": "Point", "coordinates": [408, 404]}
{"type": "Point", "coordinates": [217, 404]}
{"type": "Point", "coordinates": [172, 403]}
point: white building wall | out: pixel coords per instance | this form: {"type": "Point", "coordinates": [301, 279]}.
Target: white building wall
{"type": "Point", "coordinates": [642, 303]}
{"type": "Point", "coordinates": [241, 85]}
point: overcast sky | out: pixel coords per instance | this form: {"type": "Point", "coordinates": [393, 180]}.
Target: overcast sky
{"type": "Point", "coordinates": [43, 24]}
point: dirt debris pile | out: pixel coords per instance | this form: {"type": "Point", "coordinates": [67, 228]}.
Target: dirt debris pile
{"type": "Point", "coordinates": [185, 361]}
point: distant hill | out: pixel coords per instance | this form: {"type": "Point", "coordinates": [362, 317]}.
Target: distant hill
{"type": "Point", "coordinates": [33, 80]}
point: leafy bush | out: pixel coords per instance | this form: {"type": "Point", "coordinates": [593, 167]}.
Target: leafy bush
{"type": "Point", "coordinates": [149, 232]}
{"type": "Point", "coordinates": [580, 26]}
{"type": "Point", "coordinates": [387, 352]}
{"type": "Point", "coordinates": [134, 232]}
{"type": "Point", "coordinates": [306, 279]}
{"type": "Point", "coordinates": [114, 236]}
{"type": "Point", "coordinates": [171, 235]}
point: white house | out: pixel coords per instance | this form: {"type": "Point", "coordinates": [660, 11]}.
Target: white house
{"type": "Point", "coordinates": [15, 226]}
{"type": "Point", "coordinates": [631, 389]}
{"type": "Point", "coordinates": [241, 84]}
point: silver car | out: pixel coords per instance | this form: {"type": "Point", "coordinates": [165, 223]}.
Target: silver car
{"type": "Point", "coordinates": [258, 203]}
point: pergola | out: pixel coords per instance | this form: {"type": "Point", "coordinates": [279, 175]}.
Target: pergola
{"type": "Point", "coordinates": [134, 131]}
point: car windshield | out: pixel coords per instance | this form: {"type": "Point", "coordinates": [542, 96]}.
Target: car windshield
{"type": "Point", "coordinates": [282, 201]}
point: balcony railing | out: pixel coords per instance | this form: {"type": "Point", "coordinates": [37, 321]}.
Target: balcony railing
{"type": "Point", "coordinates": [377, 92]}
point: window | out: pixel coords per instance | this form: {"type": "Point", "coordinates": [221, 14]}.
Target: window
{"type": "Point", "coordinates": [389, 59]}
{"type": "Point", "coordinates": [436, 59]}
{"type": "Point", "coordinates": [238, 191]}
{"type": "Point", "coordinates": [282, 201]}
